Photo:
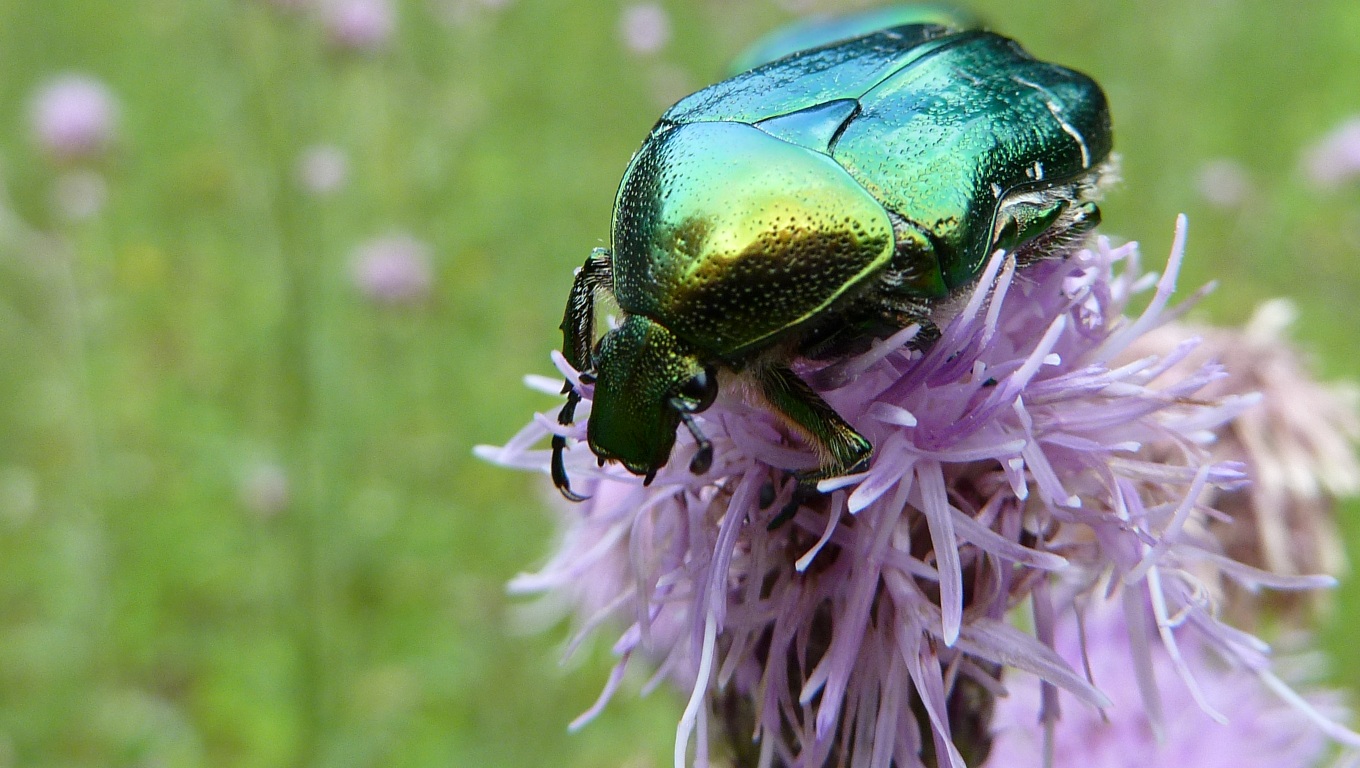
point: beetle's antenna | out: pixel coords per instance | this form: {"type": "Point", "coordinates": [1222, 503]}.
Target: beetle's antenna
{"type": "Point", "coordinates": [703, 458]}
{"type": "Point", "coordinates": [559, 445]}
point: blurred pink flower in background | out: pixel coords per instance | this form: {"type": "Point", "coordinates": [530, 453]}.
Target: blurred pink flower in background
{"type": "Point", "coordinates": [322, 169]}
{"type": "Point", "coordinates": [1224, 183]}
{"type": "Point", "coordinates": [74, 117]}
{"type": "Point", "coordinates": [394, 269]}
{"type": "Point", "coordinates": [364, 26]}
{"type": "Point", "coordinates": [1335, 159]}
{"type": "Point", "coordinates": [1258, 730]}
{"type": "Point", "coordinates": [645, 28]}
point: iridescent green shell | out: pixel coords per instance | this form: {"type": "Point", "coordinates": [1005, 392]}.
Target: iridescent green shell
{"type": "Point", "coordinates": [759, 202]}
{"type": "Point", "coordinates": [728, 236]}
{"type": "Point", "coordinates": [811, 200]}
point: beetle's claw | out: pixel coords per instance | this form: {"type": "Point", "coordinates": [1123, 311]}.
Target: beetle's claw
{"type": "Point", "coordinates": [559, 446]}
{"type": "Point", "coordinates": [703, 459]}
{"type": "Point", "coordinates": [767, 494]}
{"type": "Point", "coordinates": [802, 492]}
{"type": "Point", "coordinates": [786, 513]}
{"type": "Point", "coordinates": [559, 470]}
{"type": "Point", "coordinates": [858, 467]}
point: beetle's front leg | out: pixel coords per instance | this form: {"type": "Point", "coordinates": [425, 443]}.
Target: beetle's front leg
{"type": "Point", "coordinates": [578, 322]}
{"type": "Point", "coordinates": [1036, 229]}
{"type": "Point", "coordinates": [578, 337]}
{"type": "Point", "coordinates": [1019, 222]}
{"type": "Point", "coordinates": [844, 450]}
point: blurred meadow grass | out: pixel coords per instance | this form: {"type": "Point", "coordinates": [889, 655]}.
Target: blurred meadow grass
{"type": "Point", "coordinates": [240, 522]}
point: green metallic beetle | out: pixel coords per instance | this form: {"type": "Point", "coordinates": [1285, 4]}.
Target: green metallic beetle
{"type": "Point", "coordinates": [826, 195]}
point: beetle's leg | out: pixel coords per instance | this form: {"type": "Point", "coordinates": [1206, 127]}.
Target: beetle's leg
{"type": "Point", "coordinates": [578, 322]}
{"type": "Point", "coordinates": [792, 398]}
{"type": "Point", "coordinates": [1085, 217]}
{"type": "Point", "coordinates": [850, 335]}
{"type": "Point", "coordinates": [1036, 228]}
{"type": "Point", "coordinates": [802, 493]}
{"type": "Point", "coordinates": [559, 445]}
{"type": "Point", "coordinates": [1024, 220]}
{"type": "Point", "coordinates": [578, 336]}
{"type": "Point", "coordinates": [703, 458]}
{"type": "Point", "coordinates": [877, 316]}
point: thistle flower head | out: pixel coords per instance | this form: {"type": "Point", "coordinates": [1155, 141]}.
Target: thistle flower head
{"type": "Point", "coordinates": [869, 628]}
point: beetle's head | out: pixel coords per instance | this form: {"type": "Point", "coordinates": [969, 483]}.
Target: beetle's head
{"type": "Point", "coordinates": [646, 381]}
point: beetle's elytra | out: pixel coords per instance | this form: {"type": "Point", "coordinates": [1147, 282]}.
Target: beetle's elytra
{"type": "Point", "coordinates": [823, 196]}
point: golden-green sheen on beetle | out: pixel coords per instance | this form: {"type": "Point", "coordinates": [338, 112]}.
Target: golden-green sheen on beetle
{"type": "Point", "coordinates": [729, 236]}
{"type": "Point", "coordinates": [820, 198]}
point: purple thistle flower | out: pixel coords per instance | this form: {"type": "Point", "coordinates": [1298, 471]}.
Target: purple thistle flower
{"type": "Point", "coordinates": [394, 269]}
{"type": "Point", "coordinates": [870, 628]}
{"type": "Point", "coordinates": [74, 117]}
{"type": "Point", "coordinates": [363, 26]}
{"type": "Point", "coordinates": [1261, 730]}
{"type": "Point", "coordinates": [644, 28]}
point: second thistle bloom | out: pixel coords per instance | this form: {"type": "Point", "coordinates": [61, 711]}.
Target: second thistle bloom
{"type": "Point", "coordinates": [1297, 444]}
{"type": "Point", "coordinates": [1261, 731]}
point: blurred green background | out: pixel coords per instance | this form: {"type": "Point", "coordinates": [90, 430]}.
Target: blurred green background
{"type": "Point", "coordinates": [240, 522]}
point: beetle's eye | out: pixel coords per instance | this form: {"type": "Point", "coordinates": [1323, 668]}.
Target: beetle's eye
{"type": "Point", "coordinates": [699, 392]}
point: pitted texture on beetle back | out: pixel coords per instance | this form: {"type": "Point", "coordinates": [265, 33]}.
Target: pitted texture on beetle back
{"type": "Point", "coordinates": [947, 125]}
{"type": "Point", "coordinates": [729, 236]}
{"type": "Point", "coordinates": [944, 141]}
